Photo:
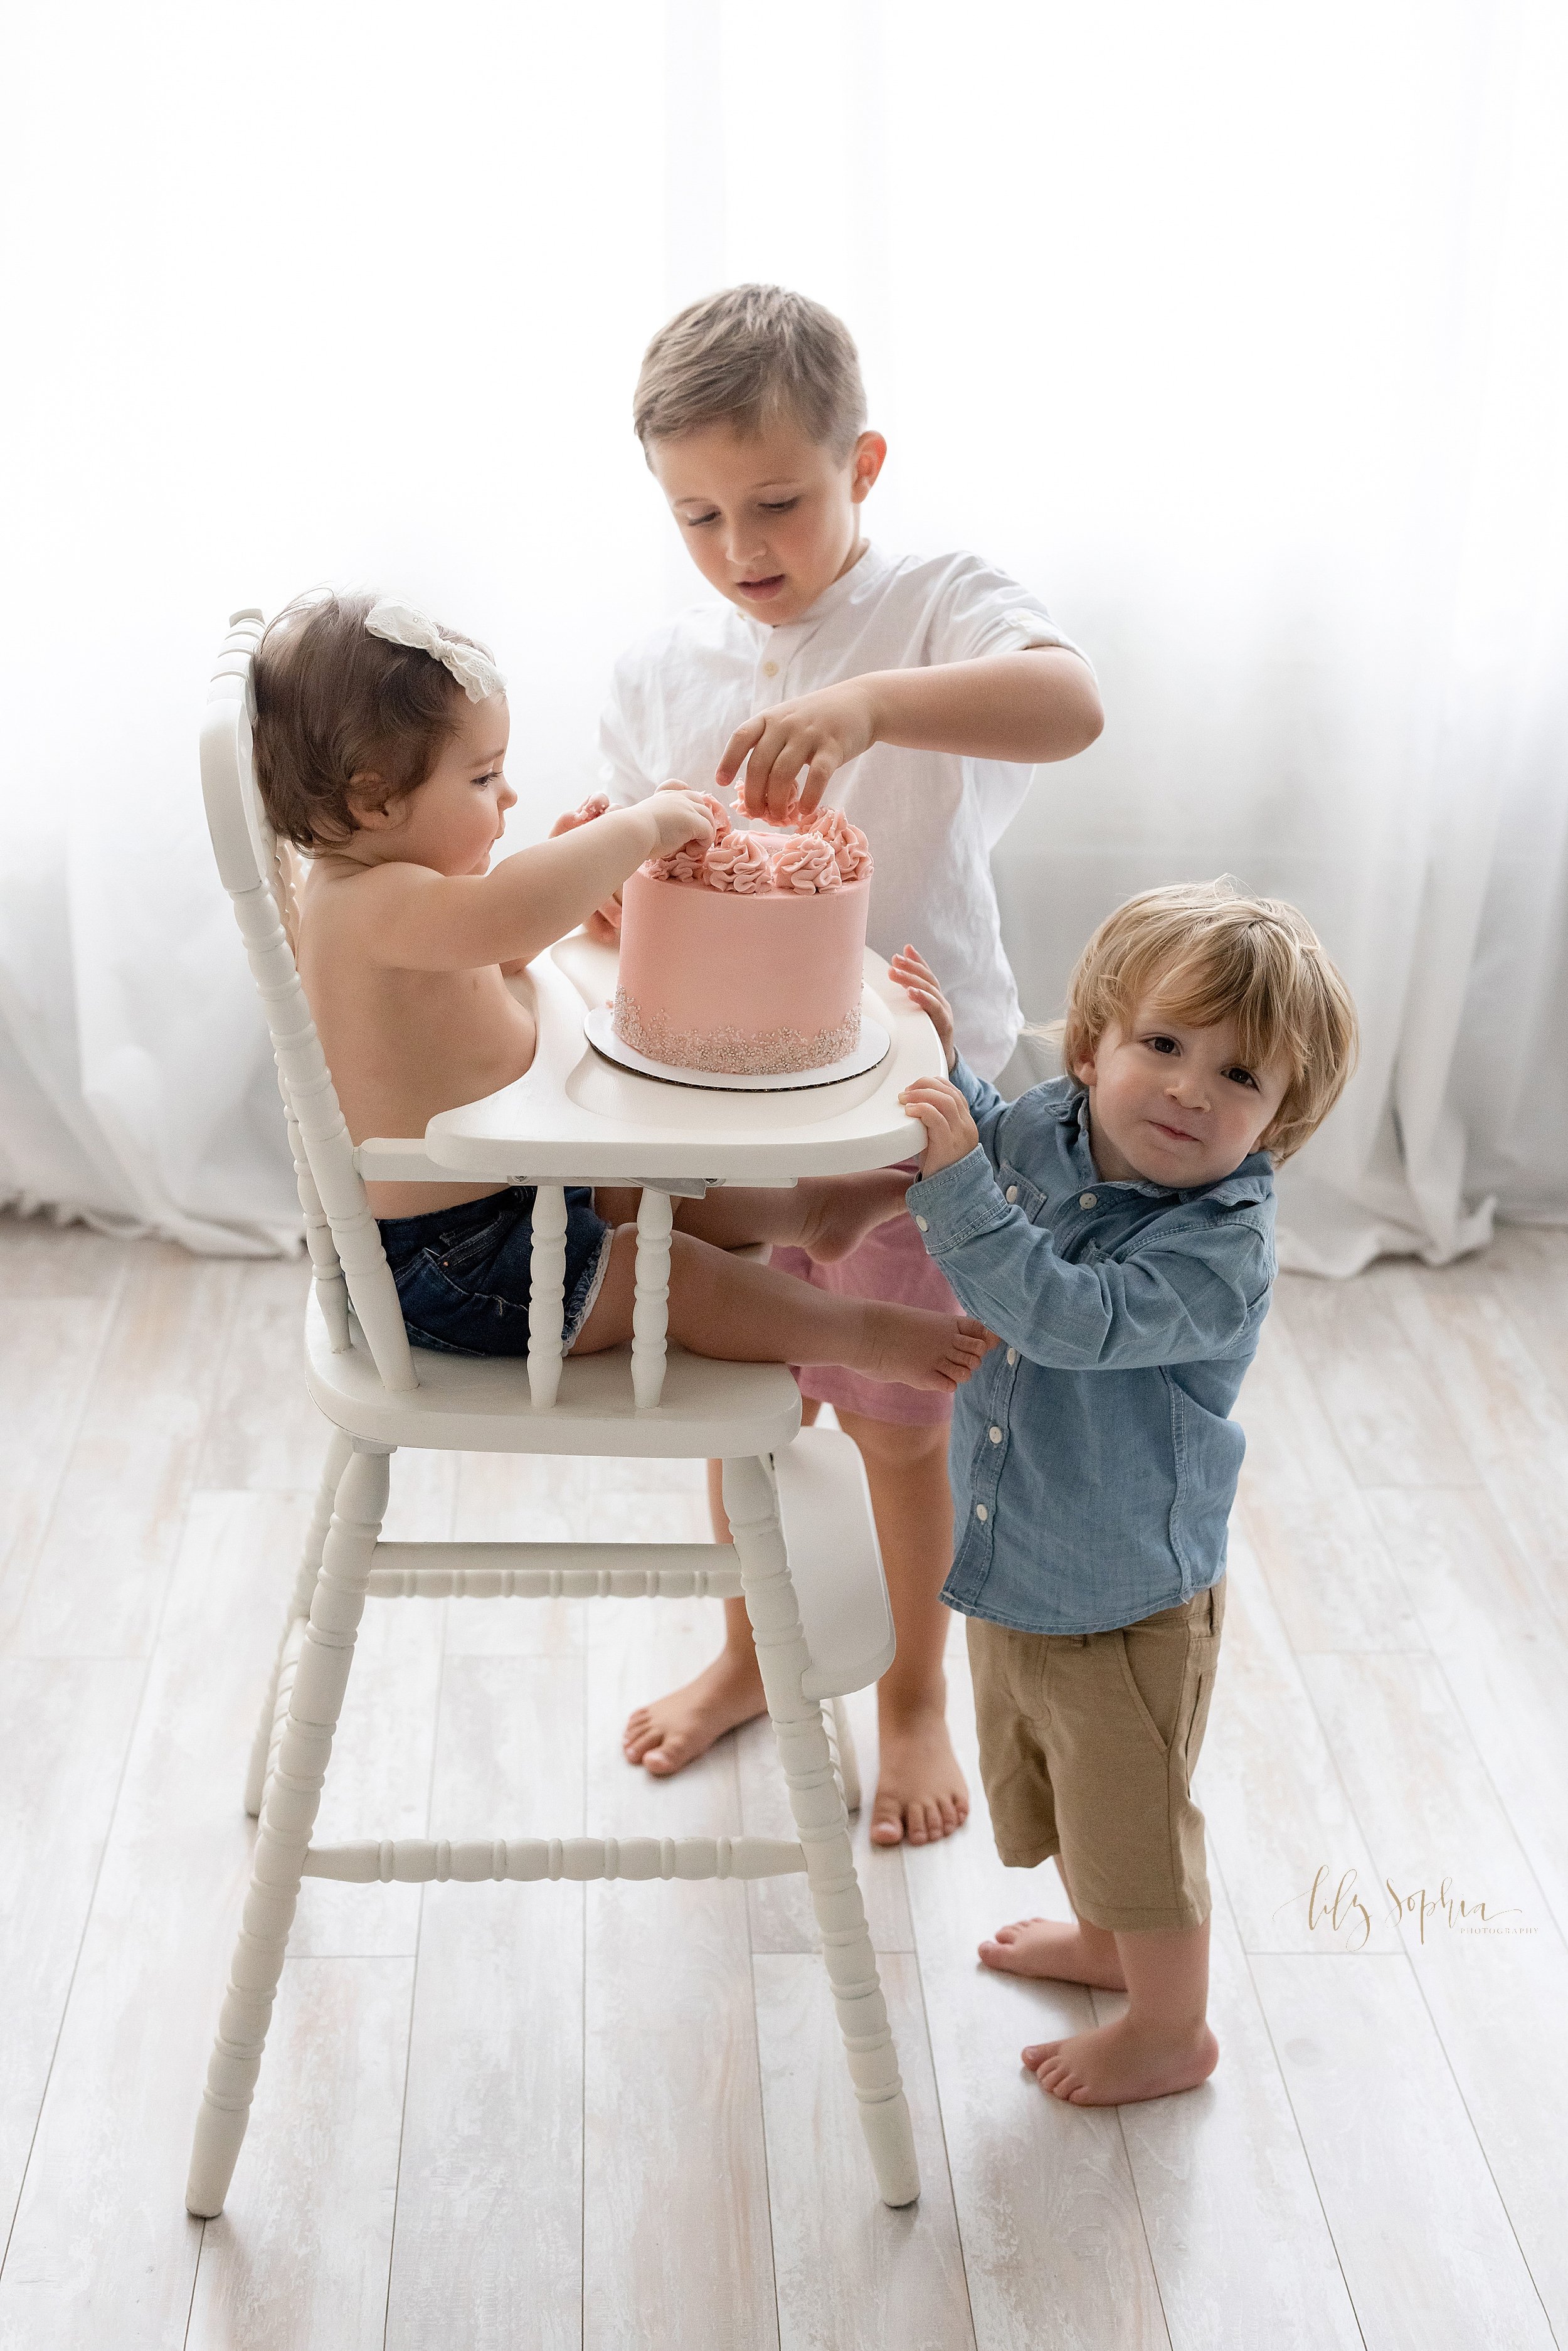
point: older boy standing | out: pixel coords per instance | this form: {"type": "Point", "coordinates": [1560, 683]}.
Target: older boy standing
{"type": "Point", "coordinates": [918, 695]}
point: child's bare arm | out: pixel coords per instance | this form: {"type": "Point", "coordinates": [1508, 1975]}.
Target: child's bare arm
{"type": "Point", "coordinates": [1037, 705]}
{"type": "Point", "coordinates": [413, 919]}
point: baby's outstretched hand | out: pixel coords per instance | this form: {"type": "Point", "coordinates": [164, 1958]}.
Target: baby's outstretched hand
{"type": "Point", "coordinates": [951, 1133]}
{"type": "Point", "coordinates": [604, 925]}
{"type": "Point", "coordinates": [569, 819]}
{"type": "Point", "coordinates": [917, 979]}
{"type": "Point", "coordinates": [680, 817]}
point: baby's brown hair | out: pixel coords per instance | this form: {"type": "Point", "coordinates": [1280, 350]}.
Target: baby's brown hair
{"type": "Point", "coordinates": [1205, 952]}
{"type": "Point", "coordinates": [343, 717]}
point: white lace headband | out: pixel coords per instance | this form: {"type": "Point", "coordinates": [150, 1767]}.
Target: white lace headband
{"type": "Point", "coordinates": [405, 625]}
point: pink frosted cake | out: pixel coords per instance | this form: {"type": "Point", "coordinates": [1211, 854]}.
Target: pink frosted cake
{"type": "Point", "coordinates": [745, 958]}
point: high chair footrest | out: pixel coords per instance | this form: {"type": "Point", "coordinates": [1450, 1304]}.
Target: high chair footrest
{"type": "Point", "coordinates": [834, 1563]}
{"type": "Point", "coordinates": [419, 1861]}
{"type": "Point", "coordinates": [508, 1571]}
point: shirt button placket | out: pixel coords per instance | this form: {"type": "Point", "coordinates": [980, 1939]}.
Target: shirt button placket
{"type": "Point", "coordinates": [768, 683]}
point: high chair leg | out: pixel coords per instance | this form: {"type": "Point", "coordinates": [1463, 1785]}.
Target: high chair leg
{"type": "Point", "coordinates": [817, 1804]}
{"type": "Point", "coordinates": [337, 1461]}
{"type": "Point", "coordinates": [294, 1793]}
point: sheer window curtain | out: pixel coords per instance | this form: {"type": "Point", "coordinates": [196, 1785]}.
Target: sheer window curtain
{"type": "Point", "coordinates": [1240, 333]}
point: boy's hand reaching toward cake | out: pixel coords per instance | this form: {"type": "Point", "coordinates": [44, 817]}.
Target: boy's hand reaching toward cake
{"type": "Point", "coordinates": [951, 1133]}
{"type": "Point", "coordinates": [917, 979]}
{"type": "Point", "coordinates": [791, 752]}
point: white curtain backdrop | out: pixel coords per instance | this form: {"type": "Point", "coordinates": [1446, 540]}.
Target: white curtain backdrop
{"type": "Point", "coordinates": [1240, 333]}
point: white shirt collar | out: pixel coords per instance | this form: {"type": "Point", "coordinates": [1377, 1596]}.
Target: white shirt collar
{"type": "Point", "coordinates": [870, 568]}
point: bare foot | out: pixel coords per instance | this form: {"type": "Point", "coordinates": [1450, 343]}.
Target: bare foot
{"type": "Point", "coordinates": [921, 1793]}
{"type": "Point", "coordinates": [1044, 1946]}
{"type": "Point", "coordinates": [1122, 2062]}
{"type": "Point", "coordinates": [841, 1209]}
{"type": "Point", "coordinates": [677, 1729]}
{"type": "Point", "coordinates": [922, 1350]}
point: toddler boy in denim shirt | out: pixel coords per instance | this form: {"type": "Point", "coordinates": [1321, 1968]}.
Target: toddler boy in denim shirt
{"type": "Point", "coordinates": [1114, 1227]}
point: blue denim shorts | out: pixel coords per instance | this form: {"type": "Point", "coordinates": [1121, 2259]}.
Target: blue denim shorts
{"type": "Point", "coordinates": [463, 1274]}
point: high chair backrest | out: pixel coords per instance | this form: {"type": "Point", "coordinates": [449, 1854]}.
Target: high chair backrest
{"type": "Point", "coordinates": [351, 1267]}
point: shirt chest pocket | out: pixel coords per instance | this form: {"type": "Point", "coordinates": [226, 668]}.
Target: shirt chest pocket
{"type": "Point", "coordinates": [1020, 1193]}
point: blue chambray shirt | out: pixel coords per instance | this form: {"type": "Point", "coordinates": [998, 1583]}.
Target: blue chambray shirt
{"type": "Point", "coordinates": [1094, 1459]}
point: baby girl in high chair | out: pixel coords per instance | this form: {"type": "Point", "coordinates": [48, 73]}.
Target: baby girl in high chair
{"type": "Point", "coordinates": [380, 743]}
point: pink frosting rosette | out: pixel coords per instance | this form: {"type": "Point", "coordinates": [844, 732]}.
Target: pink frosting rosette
{"type": "Point", "coordinates": [686, 864]}
{"type": "Point", "coordinates": [807, 862]}
{"type": "Point", "coordinates": [738, 862]}
{"type": "Point", "coordinates": [848, 842]}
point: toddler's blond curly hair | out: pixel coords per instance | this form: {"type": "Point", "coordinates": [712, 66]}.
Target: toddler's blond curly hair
{"type": "Point", "coordinates": [1205, 952]}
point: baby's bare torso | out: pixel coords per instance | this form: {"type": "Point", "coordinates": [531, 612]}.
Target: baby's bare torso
{"type": "Point", "coordinates": [401, 1044]}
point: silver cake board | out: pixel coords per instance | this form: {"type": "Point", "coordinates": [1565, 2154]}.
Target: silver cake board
{"type": "Point", "coordinates": [873, 1049]}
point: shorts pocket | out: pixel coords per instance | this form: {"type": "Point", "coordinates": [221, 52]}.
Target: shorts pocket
{"type": "Point", "coordinates": [1205, 1658]}
{"type": "Point", "coordinates": [1139, 1703]}
{"type": "Point", "coordinates": [472, 1249]}
{"type": "Point", "coordinates": [1174, 1648]}
{"type": "Point", "coordinates": [427, 1297]}
{"type": "Point", "coordinates": [1199, 1702]}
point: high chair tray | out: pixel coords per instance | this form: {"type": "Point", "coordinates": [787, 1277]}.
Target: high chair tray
{"type": "Point", "coordinates": [576, 1117]}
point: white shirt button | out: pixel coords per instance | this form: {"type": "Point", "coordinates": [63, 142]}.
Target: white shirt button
{"type": "Point", "coordinates": [923, 1224]}
{"type": "Point", "coordinates": [1012, 1354]}
{"type": "Point", "coordinates": [1011, 1193]}
{"type": "Point", "coordinates": [996, 1437]}
{"type": "Point", "coordinates": [982, 1512]}
{"type": "Point", "coordinates": [769, 669]}
{"type": "Point", "coordinates": [1087, 1199]}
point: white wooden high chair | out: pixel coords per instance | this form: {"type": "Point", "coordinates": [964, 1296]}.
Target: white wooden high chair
{"type": "Point", "coordinates": [804, 1554]}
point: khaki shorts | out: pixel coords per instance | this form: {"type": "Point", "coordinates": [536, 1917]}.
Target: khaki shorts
{"type": "Point", "coordinates": [1088, 1743]}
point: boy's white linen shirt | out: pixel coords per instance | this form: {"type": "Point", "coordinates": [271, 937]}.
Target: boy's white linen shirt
{"type": "Point", "coordinates": [931, 816]}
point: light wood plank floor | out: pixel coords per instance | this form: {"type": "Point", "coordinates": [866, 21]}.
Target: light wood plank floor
{"type": "Point", "coordinates": [616, 2116]}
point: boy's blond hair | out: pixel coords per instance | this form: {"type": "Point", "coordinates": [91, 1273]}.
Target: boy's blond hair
{"type": "Point", "coordinates": [1204, 952]}
{"type": "Point", "coordinates": [746, 358]}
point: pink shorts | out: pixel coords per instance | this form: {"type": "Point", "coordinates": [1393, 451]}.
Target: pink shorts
{"type": "Point", "coordinates": [891, 1263]}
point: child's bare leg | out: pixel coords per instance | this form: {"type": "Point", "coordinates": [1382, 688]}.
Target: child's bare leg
{"type": "Point", "coordinates": [921, 1792]}
{"type": "Point", "coordinates": [1161, 2044]}
{"type": "Point", "coordinates": [683, 1724]}
{"type": "Point", "coordinates": [920, 1789]}
{"type": "Point", "coordinates": [1066, 1952]}
{"type": "Point", "coordinates": [1047, 1948]}
{"type": "Point", "coordinates": [727, 1308]}
{"type": "Point", "coordinates": [827, 1215]}
{"type": "Point", "coordinates": [724, 1307]}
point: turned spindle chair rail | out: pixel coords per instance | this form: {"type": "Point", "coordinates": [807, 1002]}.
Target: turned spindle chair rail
{"type": "Point", "coordinates": [803, 1555]}
{"type": "Point", "coordinates": [454, 1571]}
{"type": "Point", "coordinates": [423, 1860]}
